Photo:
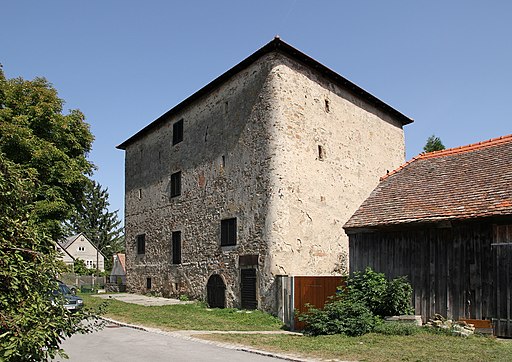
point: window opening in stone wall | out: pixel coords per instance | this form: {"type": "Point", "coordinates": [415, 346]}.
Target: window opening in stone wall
{"type": "Point", "coordinates": [321, 153]}
{"type": "Point", "coordinates": [206, 134]}
{"type": "Point", "coordinates": [327, 106]}
{"type": "Point", "coordinates": [139, 194]}
{"type": "Point", "coordinates": [176, 184]}
{"type": "Point", "coordinates": [228, 232]}
{"type": "Point", "coordinates": [226, 107]}
{"type": "Point", "coordinates": [141, 244]}
{"type": "Point", "coordinates": [177, 132]}
{"type": "Point", "coordinates": [223, 161]}
{"type": "Point", "coordinates": [176, 247]}
{"type": "Point", "coordinates": [148, 283]}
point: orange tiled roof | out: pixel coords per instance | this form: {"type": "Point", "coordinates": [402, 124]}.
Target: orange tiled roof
{"type": "Point", "coordinates": [457, 183]}
{"type": "Point", "coordinates": [122, 260]}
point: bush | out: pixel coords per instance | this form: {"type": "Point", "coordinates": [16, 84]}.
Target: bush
{"type": "Point", "coordinates": [358, 309]}
{"type": "Point", "coordinates": [184, 298]}
{"type": "Point", "coordinates": [384, 298]}
{"type": "Point", "coordinates": [345, 316]}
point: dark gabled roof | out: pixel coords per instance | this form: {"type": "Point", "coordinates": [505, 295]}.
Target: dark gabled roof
{"type": "Point", "coordinates": [467, 182]}
{"type": "Point", "coordinates": [276, 45]}
{"type": "Point", "coordinates": [64, 244]}
{"type": "Point", "coordinates": [65, 251]}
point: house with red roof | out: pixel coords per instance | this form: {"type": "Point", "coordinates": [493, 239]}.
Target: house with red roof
{"type": "Point", "coordinates": [444, 220]}
{"type": "Point", "coordinates": [118, 273]}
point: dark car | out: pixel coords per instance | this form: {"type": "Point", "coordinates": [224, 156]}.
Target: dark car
{"type": "Point", "coordinates": [72, 302]}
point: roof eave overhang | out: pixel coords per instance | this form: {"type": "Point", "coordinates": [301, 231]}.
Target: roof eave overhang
{"type": "Point", "coordinates": [438, 222]}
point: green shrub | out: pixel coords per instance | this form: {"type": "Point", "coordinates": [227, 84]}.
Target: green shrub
{"type": "Point", "coordinates": [367, 297]}
{"type": "Point", "coordinates": [184, 298]}
{"type": "Point", "coordinates": [382, 297]}
{"type": "Point", "coordinates": [345, 316]}
{"type": "Point", "coordinates": [398, 298]}
{"type": "Point", "coordinates": [369, 287]}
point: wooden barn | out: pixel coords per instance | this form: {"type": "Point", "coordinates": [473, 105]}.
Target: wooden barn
{"type": "Point", "coordinates": [444, 220]}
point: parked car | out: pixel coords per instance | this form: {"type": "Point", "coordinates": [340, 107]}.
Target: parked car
{"type": "Point", "coordinates": [72, 302]}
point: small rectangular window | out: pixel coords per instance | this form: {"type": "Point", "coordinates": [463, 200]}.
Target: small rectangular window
{"type": "Point", "coordinates": [148, 283]}
{"type": "Point", "coordinates": [176, 184]}
{"type": "Point", "coordinates": [141, 244]}
{"type": "Point", "coordinates": [177, 132]}
{"type": "Point", "coordinates": [228, 232]}
{"type": "Point", "coordinates": [176, 247]}
{"type": "Point", "coordinates": [327, 107]}
{"type": "Point", "coordinates": [321, 153]}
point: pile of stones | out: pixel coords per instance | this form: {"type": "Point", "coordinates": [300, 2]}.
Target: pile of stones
{"type": "Point", "coordinates": [457, 328]}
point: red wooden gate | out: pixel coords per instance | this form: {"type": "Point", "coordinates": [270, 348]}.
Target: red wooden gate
{"type": "Point", "coordinates": [315, 291]}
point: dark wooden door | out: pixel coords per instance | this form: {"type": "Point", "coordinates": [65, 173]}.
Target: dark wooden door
{"type": "Point", "coordinates": [248, 289]}
{"type": "Point", "coordinates": [216, 290]}
{"type": "Point", "coordinates": [502, 319]}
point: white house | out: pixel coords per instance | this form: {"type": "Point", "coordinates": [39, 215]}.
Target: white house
{"type": "Point", "coordinates": [80, 247]}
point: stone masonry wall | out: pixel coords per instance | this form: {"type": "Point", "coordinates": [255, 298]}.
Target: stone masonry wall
{"type": "Point", "coordinates": [328, 151]}
{"type": "Point", "coordinates": [266, 148]}
{"type": "Point", "coordinates": [223, 161]}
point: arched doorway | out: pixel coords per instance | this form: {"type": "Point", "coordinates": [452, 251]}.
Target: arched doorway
{"type": "Point", "coordinates": [216, 291]}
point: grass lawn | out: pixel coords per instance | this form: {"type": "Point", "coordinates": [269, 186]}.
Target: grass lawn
{"type": "Point", "coordinates": [378, 347]}
{"type": "Point", "coordinates": [371, 347]}
{"type": "Point", "coordinates": [184, 316]}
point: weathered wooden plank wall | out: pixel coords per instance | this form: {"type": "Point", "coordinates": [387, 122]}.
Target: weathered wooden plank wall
{"type": "Point", "coordinates": [502, 258]}
{"type": "Point", "coordinates": [450, 269]}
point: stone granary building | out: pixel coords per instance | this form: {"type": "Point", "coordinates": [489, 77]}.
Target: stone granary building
{"type": "Point", "coordinates": [252, 177]}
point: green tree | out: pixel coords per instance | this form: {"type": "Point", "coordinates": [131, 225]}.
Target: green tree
{"type": "Point", "coordinates": [35, 134]}
{"type": "Point", "coordinates": [43, 171]}
{"type": "Point", "coordinates": [93, 218]}
{"type": "Point", "coordinates": [32, 324]}
{"type": "Point", "coordinates": [433, 144]}
{"type": "Point", "coordinates": [80, 268]}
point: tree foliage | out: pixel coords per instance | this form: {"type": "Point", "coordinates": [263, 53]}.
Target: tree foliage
{"type": "Point", "coordinates": [93, 218]}
{"type": "Point", "coordinates": [43, 170]}
{"type": "Point", "coordinates": [32, 324]}
{"type": "Point", "coordinates": [433, 144]}
{"type": "Point", "coordinates": [36, 135]}
{"type": "Point", "coordinates": [80, 268]}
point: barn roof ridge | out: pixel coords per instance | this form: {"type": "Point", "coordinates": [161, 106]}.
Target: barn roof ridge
{"type": "Point", "coordinates": [452, 151]}
{"type": "Point", "coordinates": [461, 183]}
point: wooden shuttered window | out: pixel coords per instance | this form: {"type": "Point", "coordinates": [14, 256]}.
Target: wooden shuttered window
{"type": "Point", "coordinates": [228, 232]}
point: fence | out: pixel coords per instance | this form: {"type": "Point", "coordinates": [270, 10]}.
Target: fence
{"type": "Point", "coordinates": [294, 292]}
{"type": "Point", "coordinates": [84, 282]}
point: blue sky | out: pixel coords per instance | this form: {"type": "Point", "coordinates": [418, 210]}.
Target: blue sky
{"type": "Point", "coordinates": [447, 64]}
